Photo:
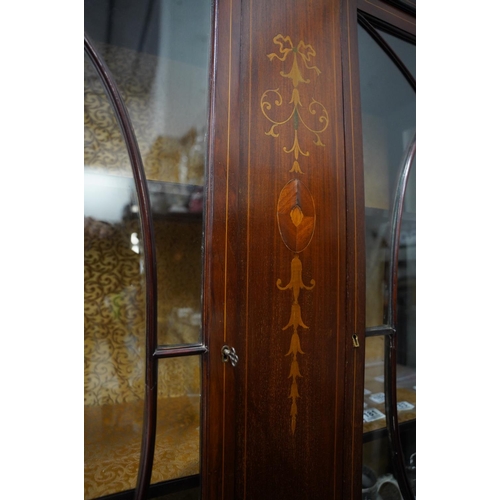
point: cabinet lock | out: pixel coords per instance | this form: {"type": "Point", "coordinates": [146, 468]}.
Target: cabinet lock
{"type": "Point", "coordinates": [229, 354]}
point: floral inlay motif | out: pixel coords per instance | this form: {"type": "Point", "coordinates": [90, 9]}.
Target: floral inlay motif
{"type": "Point", "coordinates": [296, 213]}
{"type": "Point", "coordinates": [296, 284]}
{"type": "Point", "coordinates": [301, 55]}
{"type": "Point", "coordinates": [296, 221]}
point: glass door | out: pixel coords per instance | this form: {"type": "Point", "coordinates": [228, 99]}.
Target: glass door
{"type": "Point", "coordinates": [115, 303]}
{"type": "Point", "coordinates": [387, 80]}
{"type": "Point", "coordinates": [143, 332]}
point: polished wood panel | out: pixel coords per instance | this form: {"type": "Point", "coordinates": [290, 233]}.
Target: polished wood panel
{"type": "Point", "coordinates": [355, 313]}
{"type": "Point", "coordinates": [275, 424]}
{"type": "Point", "coordinates": [218, 378]}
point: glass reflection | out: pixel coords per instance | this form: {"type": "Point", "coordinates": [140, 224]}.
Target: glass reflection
{"type": "Point", "coordinates": [388, 116]}
{"type": "Point", "coordinates": [179, 270]}
{"type": "Point", "coordinates": [114, 307]}
{"type": "Point", "coordinates": [158, 53]}
{"type": "Point", "coordinates": [388, 120]}
{"type": "Point", "coordinates": [406, 318]}
{"type": "Point", "coordinates": [374, 402]}
{"type": "Point", "coordinates": [404, 50]}
{"type": "Point", "coordinates": [177, 450]}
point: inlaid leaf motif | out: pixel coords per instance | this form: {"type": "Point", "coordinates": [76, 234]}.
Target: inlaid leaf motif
{"type": "Point", "coordinates": [296, 215]}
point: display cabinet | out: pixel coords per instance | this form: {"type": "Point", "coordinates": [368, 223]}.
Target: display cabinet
{"type": "Point", "coordinates": [250, 257]}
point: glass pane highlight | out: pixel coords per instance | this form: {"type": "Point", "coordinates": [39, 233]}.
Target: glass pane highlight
{"type": "Point", "coordinates": [114, 305]}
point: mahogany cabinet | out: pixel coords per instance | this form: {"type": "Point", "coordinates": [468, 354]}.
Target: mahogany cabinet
{"type": "Point", "coordinates": [250, 249]}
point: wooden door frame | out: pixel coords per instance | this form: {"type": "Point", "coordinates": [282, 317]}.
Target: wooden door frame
{"type": "Point", "coordinates": [356, 260]}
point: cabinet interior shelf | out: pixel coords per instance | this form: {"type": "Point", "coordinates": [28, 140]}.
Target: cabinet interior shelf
{"type": "Point", "coordinates": [171, 200]}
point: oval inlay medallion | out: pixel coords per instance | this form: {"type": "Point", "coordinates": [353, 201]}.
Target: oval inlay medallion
{"type": "Point", "coordinates": [296, 216]}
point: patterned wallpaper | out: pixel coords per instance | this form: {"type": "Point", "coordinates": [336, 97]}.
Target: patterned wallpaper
{"type": "Point", "coordinates": [114, 320]}
{"type": "Point", "coordinates": [114, 325]}
{"type": "Point", "coordinates": [114, 312]}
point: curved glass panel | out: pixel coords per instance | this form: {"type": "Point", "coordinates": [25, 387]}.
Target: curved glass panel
{"type": "Point", "coordinates": [114, 312]}
{"type": "Point", "coordinates": [388, 119]}
{"type": "Point", "coordinates": [406, 325]}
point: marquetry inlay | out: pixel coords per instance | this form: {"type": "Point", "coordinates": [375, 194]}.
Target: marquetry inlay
{"type": "Point", "coordinates": [296, 215]}
{"type": "Point", "coordinates": [314, 119]}
{"type": "Point", "coordinates": [296, 284]}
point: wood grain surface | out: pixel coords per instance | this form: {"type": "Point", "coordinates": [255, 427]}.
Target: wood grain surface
{"type": "Point", "coordinates": [275, 424]}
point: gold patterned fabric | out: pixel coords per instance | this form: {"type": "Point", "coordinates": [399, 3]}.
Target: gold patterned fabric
{"type": "Point", "coordinates": [112, 444]}
{"type": "Point", "coordinates": [114, 318]}
{"type": "Point", "coordinates": [114, 330]}
{"type": "Point", "coordinates": [179, 270]}
{"type": "Point", "coordinates": [114, 327]}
